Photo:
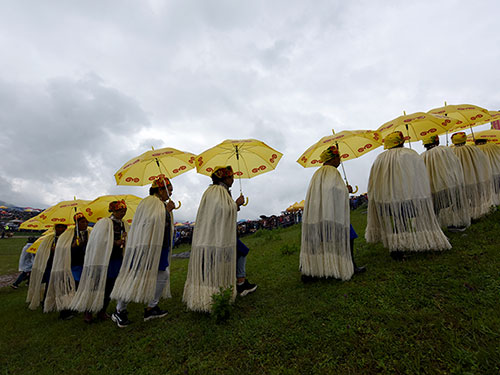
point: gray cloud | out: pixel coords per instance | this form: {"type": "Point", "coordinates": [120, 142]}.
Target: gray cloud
{"type": "Point", "coordinates": [189, 74]}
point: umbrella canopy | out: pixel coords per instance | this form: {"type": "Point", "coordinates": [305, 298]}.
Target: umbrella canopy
{"type": "Point", "coordinates": [495, 116]}
{"type": "Point", "coordinates": [492, 135]}
{"type": "Point", "coordinates": [298, 206]}
{"type": "Point", "coordinates": [61, 213]}
{"type": "Point", "coordinates": [418, 125]}
{"type": "Point", "coordinates": [98, 208]}
{"type": "Point", "coordinates": [164, 162]}
{"type": "Point", "coordinates": [34, 224]}
{"type": "Point", "coordinates": [468, 115]}
{"type": "Point", "coordinates": [34, 246]}
{"type": "Point", "coordinates": [248, 157]}
{"type": "Point", "coordinates": [351, 143]}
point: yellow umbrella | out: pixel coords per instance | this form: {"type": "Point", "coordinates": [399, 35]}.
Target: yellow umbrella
{"type": "Point", "coordinates": [301, 204]}
{"type": "Point", "coordinates": [61, 213]}
{"type": "Point", "coordinates": [351, 143]}
{"type": "Point", "coordinates": [164, 162]}
{"type": "Point", "coordinates": [34, 246]}
{"type": "Point", "coordinates": [98, 208]}
{"type": "Point", "coordinates": [468, 115]}
{"type": "Point", "coordinates": [492, 135]}
{"type": "Point", "coordinates": [3, 207]}
{"type": "Point", "coordinates": [248, 157]}
{"type": "Point", "coordinates": [495, 116]}
{"type": "Point", "coordinates": [34, 224]}
{"type": "Point", "coordinates": [416, 126]}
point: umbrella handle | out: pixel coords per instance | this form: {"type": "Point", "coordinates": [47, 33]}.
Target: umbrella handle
{"type": "Point", "coordinates": [179, 206]}
{"type": "Point", "coordinates": [246, 202]}
{"type": "Point", "coordinates": [355, 191]}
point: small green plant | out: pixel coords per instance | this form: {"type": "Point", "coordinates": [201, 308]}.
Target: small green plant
{"type": "Point", "coordinates": [289, 249]}
{"type": "Point", "coordinates": [221, 304]}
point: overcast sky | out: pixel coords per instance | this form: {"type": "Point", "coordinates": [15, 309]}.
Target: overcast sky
{"type": "Point", "coordinates": [87, 85]}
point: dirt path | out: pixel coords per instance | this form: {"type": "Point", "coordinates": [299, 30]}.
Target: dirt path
{"type": "Point", "coordinates": [7, 279]}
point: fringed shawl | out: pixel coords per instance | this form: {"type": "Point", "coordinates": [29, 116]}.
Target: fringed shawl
{"type": "Point", "coordinates": [136, 281]}
{"type": "Point", "coordinates": [42, 256]}
{"type": "Point", "coordinates": [477, 177]}
{"type": "Point", "coordinates": [90, 293]}
{"type": "Point", "coordinates": [61, 287]}
{"type": "Point", "coordinates": [212, 263]}
{"type": "Point", "coordinates": [492, 151]}
{"type": "Point", "coordinates": [400, 210]}
{"type": "Point", "coordinates": [446, 178]}
{"type": "Point", "coordinates": [325, 246]}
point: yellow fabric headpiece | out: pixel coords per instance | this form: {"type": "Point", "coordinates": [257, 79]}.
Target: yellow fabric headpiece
{"type": "Point", "coordinates": [393, 140]}
{"type": "Point", "coordinates": [161, 182]}
{"type": "Point", "coordinates": [430, 139]}
{"type": "Point", "coordinates": [117, 205]}
{"type": "Point", "coordinates": [222, 172]}
{"type": "Point", "coordinates": [329, 153]}
{"type": "Point", "coordinates": [458, 138]}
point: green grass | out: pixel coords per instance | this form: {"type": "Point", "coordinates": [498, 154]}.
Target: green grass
{"type": "Point", "coordinates": [433, 313]}
{"type": "Point", "coordinates": [10, 249]}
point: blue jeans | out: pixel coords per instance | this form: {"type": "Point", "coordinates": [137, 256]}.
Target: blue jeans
{"type": "Point", "coordinates": [241, 261]}
{"type": "Point", "coordinates": [241, 258]}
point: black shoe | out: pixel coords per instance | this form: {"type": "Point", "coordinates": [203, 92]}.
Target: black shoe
{"type": "Point", "coordinates": [307, 279]}
{"type": "Point", "coordinates": [359, 269]}
{"type": "Point", "coordinates": [13, 286]}
{"type": "Point", "coordinates": [66, 315]}
{"type": "Point", "coordinates": [397, 255]}
{"type": "Point", "coordinates": [121, 318]}
{"type": "Point", "coordinates": [246, 288]}
{"type": "Point", "coordinates": [154, 313]}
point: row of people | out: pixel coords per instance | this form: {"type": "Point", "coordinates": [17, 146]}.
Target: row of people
{"type": "Point", "coordinates": [405, 204]}
{"type": "Point", "coordinates": [83, 269]}
{"type": "Point", "coordinates": [410, 198]}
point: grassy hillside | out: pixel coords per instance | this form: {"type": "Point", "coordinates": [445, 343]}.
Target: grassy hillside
{"type": "Point", "coordinates": [432, 313]}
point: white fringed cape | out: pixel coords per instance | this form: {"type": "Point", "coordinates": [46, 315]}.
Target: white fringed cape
{"type": "Point", "coordinates": [35, 289]}
{"type": "Point", "coordinates": [325, 246]}
{"type": "Point", "coordinates": [61, 287]}
{"type": "Point", "coordinates": [136, 281]}
{"type": "Point", "coordinates": [446, 178]}
{"type": "Point", "coordinates": [212, 263]}
{"type": "Point", "coordinates": [400, 210]}
{"type": "Point", "coordinates": [90, 293]}
{"type": "Point", "coordinates": [493, 152]}
{"type": "Point", "coordinates": [477, 176]}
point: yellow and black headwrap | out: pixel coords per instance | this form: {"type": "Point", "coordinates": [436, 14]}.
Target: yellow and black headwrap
{"type": "Point", "coordinates": [393, 139]}
{"type": "Point", "coordinates": [430, 139]}
{"type": "Point", "coordinates": [162, 182]}
{"type": "Point", "coordinates": [329, 154]}
{"type": "Point", "coordinates": [222, 172]}
{"type": "Point", "coordinates": [117, 205]}
{"type": "Point", "coordinates": [459, 138]}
